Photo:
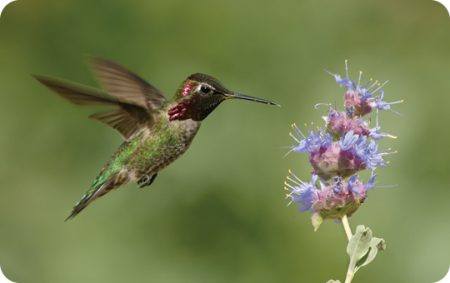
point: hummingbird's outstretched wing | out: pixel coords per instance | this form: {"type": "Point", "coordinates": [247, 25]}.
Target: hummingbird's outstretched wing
{"type": "Point", "coordinates": [136, 99]}
{"type": "Point", "coordinates": [125, 85]}
{"type": "Point", "coordinates": [76, 93]}
{"type": "Point", "coordinates": [126, 119]}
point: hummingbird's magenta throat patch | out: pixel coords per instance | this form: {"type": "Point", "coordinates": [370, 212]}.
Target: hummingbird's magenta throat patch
{"type": "Point", "coordinates": [179, 111]}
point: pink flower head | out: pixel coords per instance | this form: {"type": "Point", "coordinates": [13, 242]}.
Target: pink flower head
{"type": "Point", "coordinates": [332, 199]}
{"type": "Point", "coordinates": [339, 123]}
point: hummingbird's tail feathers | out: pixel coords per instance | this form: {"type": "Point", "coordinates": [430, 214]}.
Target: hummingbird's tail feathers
{"type": "Point", "coordinates": [82, 204]}
{"type": "Point", "coordinates": [96, 192]}
{"type": "Point", "coordinates": [76, 93]}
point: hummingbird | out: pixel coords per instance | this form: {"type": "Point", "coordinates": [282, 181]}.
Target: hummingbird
{"type": "Point", "coordinates": [156, 130]}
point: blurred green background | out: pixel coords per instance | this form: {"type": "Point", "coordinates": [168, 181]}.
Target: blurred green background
{"type": "Point", "coordinates": [219, 214]}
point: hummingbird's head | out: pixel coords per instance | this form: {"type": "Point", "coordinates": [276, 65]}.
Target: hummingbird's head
{"type": "Point", "coordinates": [200, 94]}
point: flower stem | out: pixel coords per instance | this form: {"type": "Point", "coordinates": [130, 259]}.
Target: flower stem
{"type": "Point", "coordinates": [349, 277]}
{"type": "Point", "coordinates": [348, 232]}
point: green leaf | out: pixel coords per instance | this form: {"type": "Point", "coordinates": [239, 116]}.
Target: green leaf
{"type": "Point", "coordinates": [376, 244]}
{"type": "Point", "coordinates": [359, 244]}
{"type": "Point", "coordinates": [316, 220]}
{"type": "Point", "coordinates": [333, 281]}
{"type": "Point", "coordinates": [363, 248]}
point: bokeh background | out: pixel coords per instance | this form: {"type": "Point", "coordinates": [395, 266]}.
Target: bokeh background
{"type": "Point", "coordinates": [219, 214]}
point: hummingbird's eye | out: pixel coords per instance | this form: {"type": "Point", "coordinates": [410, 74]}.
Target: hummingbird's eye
{"type": "Point", "coordinates": [205, 89]}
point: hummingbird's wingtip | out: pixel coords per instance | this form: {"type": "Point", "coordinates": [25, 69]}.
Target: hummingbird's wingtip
{"type": "Point", "coordinates": [36, 76]}
{"type": "Point", "coordinates": [273, 103]}
{"type": "Point", "coordinates": [41, 78]}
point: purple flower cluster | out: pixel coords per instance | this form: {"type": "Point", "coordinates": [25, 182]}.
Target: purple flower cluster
{"type": "Point", "coordinates": [339, 151]}
{"type": "Point", "coordinates": [331, 198]}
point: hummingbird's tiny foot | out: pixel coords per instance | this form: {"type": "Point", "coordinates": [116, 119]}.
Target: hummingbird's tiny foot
{"type": "Point", "coordinates": [143, 181]}
{"type": "Point", "coordinates": [146, 180]}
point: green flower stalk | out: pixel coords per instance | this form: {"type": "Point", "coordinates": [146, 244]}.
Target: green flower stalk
{"type": "Point", "coordinates": [338, 152]}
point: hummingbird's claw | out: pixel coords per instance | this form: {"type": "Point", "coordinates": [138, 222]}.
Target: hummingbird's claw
{"type": "Point", "coordinates": [146, 180]}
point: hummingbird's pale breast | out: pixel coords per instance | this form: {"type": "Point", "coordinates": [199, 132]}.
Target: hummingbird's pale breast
{"type": "Point", "coordinates": [160, 145]}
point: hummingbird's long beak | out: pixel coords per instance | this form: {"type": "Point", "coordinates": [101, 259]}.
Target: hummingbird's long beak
{"type": "Point", "coordinates": [236, 95]}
